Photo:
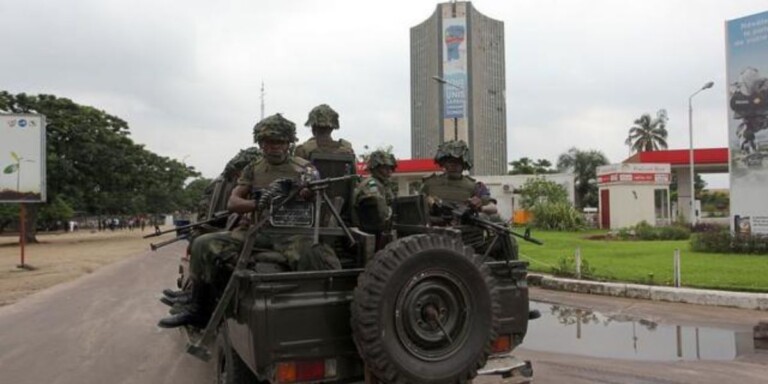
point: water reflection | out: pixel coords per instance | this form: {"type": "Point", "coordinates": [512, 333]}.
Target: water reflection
{"type": "Point", "coordinates": [585, 332]}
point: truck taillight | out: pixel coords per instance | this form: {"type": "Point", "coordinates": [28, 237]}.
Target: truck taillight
{"type": "Point", "coordinates": [305, 370]}
{"type": "Point", "coordinates": [503, 343]}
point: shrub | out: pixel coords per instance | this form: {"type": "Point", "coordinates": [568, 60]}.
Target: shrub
{"type": "Point", "coordinates": [561, 216]}
{"type": "Point", "coordinates": [645, 231]}
{"type": "Point", "coordinates": [723, 241]}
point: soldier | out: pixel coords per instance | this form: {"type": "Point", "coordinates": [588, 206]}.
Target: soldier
{"type": "Point", "coordinates": [452, 185]}
{"type": "Point", "coordinates": [274, 135]}
{"type": "Point", "coordinates": [373, 196]}
{"type": "Point", "coordinates": [214, 200]}
{"type": "Point", "coordinates": [323, 120]}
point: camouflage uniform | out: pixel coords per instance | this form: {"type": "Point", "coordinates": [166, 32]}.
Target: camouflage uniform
{"type": "Point", "coordinates": [322, 116]}
{"type": "Point", "coordinates": [459, 190]}
{"type": "Point", "coordinates": [373, 196]}
{"type": "Point", "coordinates": [294, 252]}
{"type": "Point", "coordinates": [443, 188]}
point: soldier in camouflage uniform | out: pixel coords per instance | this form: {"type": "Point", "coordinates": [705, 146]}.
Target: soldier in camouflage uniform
{"type": "Point", "coordinates": [323, 120]}
{"type": "Point", "coordinates": [211, 253]}
{"type": "Point", "coordinates": [452, 185]}
{"type": "Point", "coordinates": [373, 196]}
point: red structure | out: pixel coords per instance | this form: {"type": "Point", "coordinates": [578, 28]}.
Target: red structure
{"type": "Point", "coordinates": [705, 159]}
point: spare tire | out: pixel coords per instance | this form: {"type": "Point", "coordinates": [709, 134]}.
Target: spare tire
{"type": "Point", "coordinates": [425, 310]}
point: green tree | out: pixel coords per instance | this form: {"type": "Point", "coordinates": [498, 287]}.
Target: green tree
{"type": "Point", "coordinates": [548, 201]}
{"type": "Point", "coordinates": [193, 192]}
{"type": "Point", "coordinates": [584, 165]}
{"type": "Point", "coordinates": [538, 190]}
{"type": "Point", "coordinates": [94, 166]}
{"type": "Point", "coordinates": [526, 166]}
{"type": "Point", "coordinates": [648, 134]}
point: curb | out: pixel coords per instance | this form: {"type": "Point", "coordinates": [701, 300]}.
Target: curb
{"type": "Point", "coordinates": [755, 301]}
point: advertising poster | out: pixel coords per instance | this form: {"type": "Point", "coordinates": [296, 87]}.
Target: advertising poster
{"type": "Point", "coordinates": [22, 158]}
{"type": "Point", "coordinates": [455, 75]}
{"type": "Point", "coordinates": [747, 75]}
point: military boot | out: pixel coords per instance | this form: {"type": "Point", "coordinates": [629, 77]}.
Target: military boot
{"type": "Point", "coordinates": [174, 294]}
{"type": "Point", "coordinates": [195, 314]}
{"type": "Point", "coordinates": [181, 300]}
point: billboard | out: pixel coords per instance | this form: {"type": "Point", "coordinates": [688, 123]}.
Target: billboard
{"type": "Point", "coordinates": [747, 76]}
{"type": "Point", "coordinates": [22, 158]}
{"type": "Point", "coordinates": [454, 42]}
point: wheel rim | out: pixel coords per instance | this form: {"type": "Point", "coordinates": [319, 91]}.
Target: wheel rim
{"type": "Point", "coordinates": [432, 315]}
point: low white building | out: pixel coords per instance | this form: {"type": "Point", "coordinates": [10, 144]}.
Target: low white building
{"type": "Point", "coordinates": [631, 193]}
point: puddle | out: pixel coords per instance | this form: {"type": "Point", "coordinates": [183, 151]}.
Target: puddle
{"type": "Point", "coordinates": [583, 332]}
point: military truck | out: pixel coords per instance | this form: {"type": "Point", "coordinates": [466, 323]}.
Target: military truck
{"type": "Point", "coordinates": [424, 308]}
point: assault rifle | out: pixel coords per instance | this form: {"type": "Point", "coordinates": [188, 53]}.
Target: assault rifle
{"type": "Point", "coordinates": [184, 230]}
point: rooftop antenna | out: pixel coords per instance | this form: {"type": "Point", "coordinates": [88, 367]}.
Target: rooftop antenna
{"type": "Point", "coordinates": [262, 100]}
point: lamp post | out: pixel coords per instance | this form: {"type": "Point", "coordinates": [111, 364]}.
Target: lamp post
{"type": "Point", "coordinates": [455, 119]}
{"type": "Point", "coordinates": [690, 153]}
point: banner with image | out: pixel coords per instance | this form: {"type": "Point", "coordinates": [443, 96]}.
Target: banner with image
{"type": "Point", "coordinates": [22, 158]}
{"type": "Point", "coordinates": [455, 69]}
{"type": "Point", "coordinates": [747, 76]}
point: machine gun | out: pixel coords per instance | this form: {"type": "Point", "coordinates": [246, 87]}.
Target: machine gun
{"type": "Point", "coordinates": [468, 216]}
{"type": "Point", "coordinates": [184, 230]}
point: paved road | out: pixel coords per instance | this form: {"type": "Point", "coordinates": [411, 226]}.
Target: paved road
{"type": "Point", "coordinates": [101, 329]}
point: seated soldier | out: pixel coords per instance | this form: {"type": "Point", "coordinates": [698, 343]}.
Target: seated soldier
{"type": "Point", "coordinates": [214, 200]}
{"type": "Point", "coordinates": [373, 196]}
{"type": "Point", "coordinates": [211, 252]}
{"type": "Point", "coordinates": [452, 185]}
{"type": "Point", "coordinates": [323, 120]}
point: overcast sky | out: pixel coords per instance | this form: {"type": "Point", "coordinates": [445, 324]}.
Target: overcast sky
{"type": "Point", "coordinates": [186, 74]}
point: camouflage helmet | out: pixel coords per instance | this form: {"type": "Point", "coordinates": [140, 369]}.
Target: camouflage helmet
{"type": "Point", "coordinates": [243, 158]}
{"type": "Point", "coordinates": [275, 127]}
{"type": "Point", "coordinates": [323, 116]}
{"type": "Point", "coordinates": [378, 158]}
{"type": "Point", "coordinates": [457, 149]}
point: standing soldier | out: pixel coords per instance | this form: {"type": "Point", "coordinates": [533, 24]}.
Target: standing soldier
{"type": "Point", "coordinates": [372, 199]}
{"type": "Point", "coordinates": [323, 120]}
{"type": "Point", "coordinates": [211, 252]}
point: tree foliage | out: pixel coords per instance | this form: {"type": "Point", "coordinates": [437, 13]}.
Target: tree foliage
{"type": "Point", "coordinates": [94, 167]}
{"type": "Point", "coordinates": [584, 165]}
{"type": "Point", "coordinates": [548, 202]}
{"type": "Point", "coordinates": [648, 134]}
{"type": "Point", "coordinates": [526, 166]}
{"type": "Point", "coordinates": [540, 190]}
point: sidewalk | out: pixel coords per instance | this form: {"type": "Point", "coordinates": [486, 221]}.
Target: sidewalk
{"type": "Point", "coordinates": [758, 301]}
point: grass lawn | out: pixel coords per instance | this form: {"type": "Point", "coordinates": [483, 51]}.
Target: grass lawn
{"type": "Point", "coordinates": [634, 261]}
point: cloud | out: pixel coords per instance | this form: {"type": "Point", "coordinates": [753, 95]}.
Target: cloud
{"type": "Point", "coordinates": [186, 75]}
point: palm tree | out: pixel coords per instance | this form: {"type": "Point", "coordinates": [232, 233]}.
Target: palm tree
{"type": "Point", "coordinates": [648, 134]}
{"type": "Point", "coordinates": [584, 164]}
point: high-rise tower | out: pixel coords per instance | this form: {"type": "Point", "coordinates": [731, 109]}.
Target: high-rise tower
{"type": "Point", "coordinates": [458, 86]}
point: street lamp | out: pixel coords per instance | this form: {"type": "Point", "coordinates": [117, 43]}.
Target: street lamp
{"type": "Point", "coordinates": [455, 119]}
{"type": "Point", "coordinates": [690, 138]}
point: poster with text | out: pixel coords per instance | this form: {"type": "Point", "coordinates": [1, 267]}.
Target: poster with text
{"type": "Point", "coordinates": [22, 158]}
{"type": "Point", "coordinates": [747, 76]}
{"type": "Point", "coordinates": [455, 75]}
